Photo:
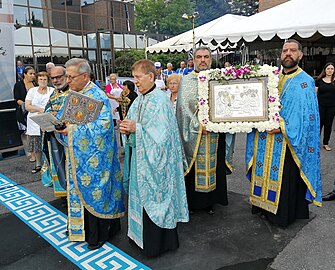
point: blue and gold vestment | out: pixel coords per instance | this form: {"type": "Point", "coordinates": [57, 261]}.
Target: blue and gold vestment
{"type": "Point", "coordinates": [53, 169]}
{"type": "Point", "coordinates": [94, 179]}
{"type": "Point", "coordinates": [300, 134]}
{"type": "Point", "coordinates": [199, 149]}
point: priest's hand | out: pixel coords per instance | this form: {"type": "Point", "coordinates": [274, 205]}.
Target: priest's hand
{"type": "Point", "coordinates": [127, 126]}
{"type": "Point", "coordinates": [63, 131]}
{"type": "Point", "coordinates": [274, 131]}
{"type": "Point", "coordinates": [204, 131]}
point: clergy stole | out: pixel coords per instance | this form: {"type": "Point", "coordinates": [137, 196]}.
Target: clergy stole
{"type": "Point", "coordinates": [206, 162]}
{"type": "Point", "coordinates": [267, 170]}
{"type": "Point", "coordinates": [75, 207]}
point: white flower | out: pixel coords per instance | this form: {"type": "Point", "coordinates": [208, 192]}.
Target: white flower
{"type": "Point", "coordinates": [231, 73]}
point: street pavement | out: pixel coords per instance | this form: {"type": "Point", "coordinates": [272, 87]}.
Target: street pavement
{"type": "Point", "coordinates": [231, 239]}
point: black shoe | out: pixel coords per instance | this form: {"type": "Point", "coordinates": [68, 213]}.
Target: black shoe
{"type": "Point", "coordinates": [210, 210]}
{"type": "Point", "coordinates": [329, 197]}
{"type": "Point", "coordinates": [93, 247]}
{"type": "Point", "coordinates": [37, 169]}
{"type": "Point", "coordinates": [64, 202]}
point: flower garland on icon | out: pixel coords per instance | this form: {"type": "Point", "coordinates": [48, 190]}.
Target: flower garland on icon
{"type": "Point", "coordinates": [239, 72]}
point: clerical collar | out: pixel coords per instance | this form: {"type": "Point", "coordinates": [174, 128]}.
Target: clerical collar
{"type": "Point", "coordinates": [63, 89]}
{"type": "Point", "coordinates": [150, 90]}
{"type": "Point", "coordinates": [290, 72]}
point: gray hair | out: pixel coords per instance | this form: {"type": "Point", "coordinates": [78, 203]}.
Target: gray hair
{"type": "Point", "coordinates": [49, 64]}
{"type": "Point", "coordinates": [202, 48]}
{"type": "Point", "coordinates": [82, 64]}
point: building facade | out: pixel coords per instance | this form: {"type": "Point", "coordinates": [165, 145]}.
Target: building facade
{"type": "Point", "coordinates": [266, 4]}
{"type": "Point", "coordinates": [57, 30]}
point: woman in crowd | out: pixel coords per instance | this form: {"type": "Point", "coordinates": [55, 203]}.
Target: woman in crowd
{"type": "Point", "coordinates": [36, 100]}
{"type": "Point", "coordinates": [20, 91]}
{"type": "Point", "coordinates": [325, 88]}
{"type": "Point", "coordinates": [127, 97]}
{"type": "Point", "coordinates": [173, 85]}
{"type": "Point", "coordinates": [113, 91]}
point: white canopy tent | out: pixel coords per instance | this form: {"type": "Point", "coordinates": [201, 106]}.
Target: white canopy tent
{"type": "Point", "coordinates": [302, 17]}
{"type": "Point", "coordinates": [183, 42]}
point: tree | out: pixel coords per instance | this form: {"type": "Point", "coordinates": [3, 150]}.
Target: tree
{"type": "Point", "coordinates": [210, 10]}
{"type": "Point", "coordinates": [125, 59]}
{"type": "Point", "coordinates": [243, 7]}
{"type": "Point", "coordinates": [162, 16]}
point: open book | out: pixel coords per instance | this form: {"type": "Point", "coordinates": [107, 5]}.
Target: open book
{"type": "Point", "coordinates": [46, 121]}
{"type": "Point", "coordinates": [79, 109]}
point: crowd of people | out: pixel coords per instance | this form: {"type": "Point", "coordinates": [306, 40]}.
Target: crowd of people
{"type": "Point", "coordinates": [173, 166]}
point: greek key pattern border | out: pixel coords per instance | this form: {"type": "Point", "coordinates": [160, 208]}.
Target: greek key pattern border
{"type": "Point", "coordinates": [50, 223]}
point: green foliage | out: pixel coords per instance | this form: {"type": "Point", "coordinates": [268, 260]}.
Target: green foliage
{"type": "Point", "coordinates": [210, 10]}
{"type": "Point", "coordinates": [125, 59]}
{"type": "Point", "coordinates": [243, 7]}
{"type": "Point", "coordinates": [162, 16]}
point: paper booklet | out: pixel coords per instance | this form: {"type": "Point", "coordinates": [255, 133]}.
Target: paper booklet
{"type": "Point", "coordinates": [80, 109]}
{"type": "Point", "coordinates": [46, 121]}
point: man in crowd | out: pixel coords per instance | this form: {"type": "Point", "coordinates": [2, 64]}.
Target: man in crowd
{"type": "Point", "coordinates": [157, 197]}
{"type": "Point", "coordinates": [190, 67]}
{"type": "Point", "coordinates": [181, 69]}
{"type": "Point", "coordinates": [160, 77]}
{"type": "Point", "coordinates": [49, 66]}
{"type": "Point", "coordinates": [19, 71]}
{"type": "Point", "coordinates": [168, 71]}
{"type": "Point", "coordinates": [284, 164]}
{"type": "Point", "coordinates": [53, 170]}
{"type": "Point", "coordinates": [204, 152]}
{"type": "Point", "coordinates": [94, 184]}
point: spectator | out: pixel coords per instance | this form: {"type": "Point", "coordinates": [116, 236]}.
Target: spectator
{"type": "Point", "coordinates": [19, 71]}
{"type": "Point", "coordinates": [181, 69]}
{"type": "Point", "coordinates": [20, 92]}
{"type": "Point", "coordinates": [36, 100]}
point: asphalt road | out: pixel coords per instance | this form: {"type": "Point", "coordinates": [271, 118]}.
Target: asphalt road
{"type": "Point", "coordinates": [232, 239]}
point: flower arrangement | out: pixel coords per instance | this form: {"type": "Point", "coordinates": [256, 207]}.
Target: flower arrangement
{"type": "Point", "coordinates": [239, 72]}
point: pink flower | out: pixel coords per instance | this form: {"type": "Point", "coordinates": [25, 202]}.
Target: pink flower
{"type": "Point", "coordinates": [202, 78]}
{"type": "Point", "coordinates": [276, 72]}
{"type": "Point", "coordinates": [272, 99]}
{"type": "Point", "coordinates": [204, 121]}
{"type": "Point", "coordinates": [202, 101]}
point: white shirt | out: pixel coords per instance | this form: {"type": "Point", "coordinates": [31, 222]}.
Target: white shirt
{"type": "Point", "coordinates": [38, 100]}
{"type": "Point", "coordinates": [116, 92]}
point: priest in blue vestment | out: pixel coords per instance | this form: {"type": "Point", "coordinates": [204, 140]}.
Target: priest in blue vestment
{"type": "Point", "coordinates": [157, 197]}
{"type": "Point", "coordinates": [53, 170]}
{"type": "Point", "coordinates": [283, 165]}
{"type": "Point", "coordinates": [94, 179]}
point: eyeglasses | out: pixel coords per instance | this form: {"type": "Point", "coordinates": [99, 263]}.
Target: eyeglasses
{"type": "Point", "coordinates": [57, 77]}
{"type": "Point", "coordinates": [69, 77]}
{"type": "Point", "coordinates": [173, 83]}
{"type": "Point", "coordinates": [139, 77]}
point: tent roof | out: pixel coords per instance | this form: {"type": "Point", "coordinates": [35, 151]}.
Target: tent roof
{"type": "Point", "coordinates": [302, 17]}
{"type": "Point", "coordinates": [183, 42]}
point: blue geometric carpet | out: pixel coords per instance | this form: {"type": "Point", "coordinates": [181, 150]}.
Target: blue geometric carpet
{"type": "Point", "coordinates": [50, 223]}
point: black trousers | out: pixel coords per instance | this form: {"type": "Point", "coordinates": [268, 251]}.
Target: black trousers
{"type": "Point", "coordinates": [157, 240]}
{"type": "Point", "coordinates": [99, 229]}
{"type": "Point", "coordinates": [326, 121]}
{"type": "Point", "coordinates": [200, 200]}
